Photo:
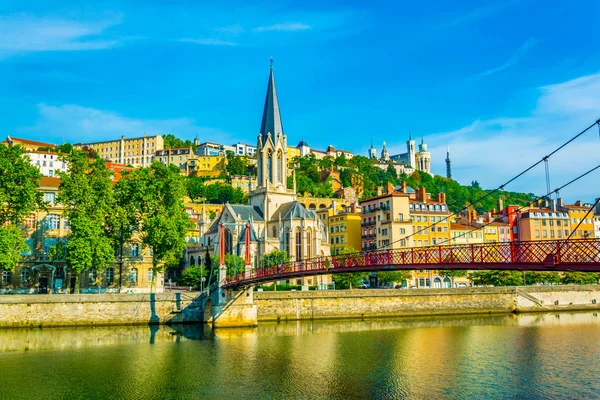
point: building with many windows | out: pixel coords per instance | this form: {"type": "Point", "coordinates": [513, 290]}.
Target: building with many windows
{"type": "Point", "coordinates": [137, 152]}
{"type": "Point", "coordinates": [28, 145]}
{"type": "Point", "coordinates": [47, 162]}
{"type": "Point", "coordinates": [344, 231]}
{"type": "Point", "coordinates": [543, 224]}
{"type": "Point", "coordinates": [579, 214]}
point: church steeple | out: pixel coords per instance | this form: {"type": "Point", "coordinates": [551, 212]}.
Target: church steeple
{"type": "Point", "coordinates": [271, 120]}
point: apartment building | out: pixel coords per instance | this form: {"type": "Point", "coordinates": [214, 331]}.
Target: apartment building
{"type": "Point", "coordinates": [544, 224]}
{"type": "Point", "coordinates": [344, 231]}
{"type": "Point", "coordinates": [137, 152]}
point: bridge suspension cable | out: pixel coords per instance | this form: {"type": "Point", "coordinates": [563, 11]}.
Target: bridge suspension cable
{"type": "Point", "coordinates": [529, 204]}
{"type": "Point", "coordinates": [501, 187]}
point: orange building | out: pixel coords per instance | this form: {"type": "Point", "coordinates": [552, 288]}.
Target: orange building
{"type": "Point", "coordinates": [543, 224]}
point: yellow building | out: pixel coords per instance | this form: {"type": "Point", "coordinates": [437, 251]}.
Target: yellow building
{"type": "Point", "coordinates": [467, 234]}
{"type": "Point", "coordinates": [577, 213]}
{"type": "Point", "coordinates": [430, 222]}
{"type": "Point", "coordinates": [344, 231]}
{"type": "Point", "coordinates": [138, 152]}
{"type": "Point", "coordinates": [36, 273]}
{"type": "Point", "coordinates": [28, 145]}
{"type": "Point", "coordinates": [292, 152]}
{"type": "Point", "coordinates": [211, 166]}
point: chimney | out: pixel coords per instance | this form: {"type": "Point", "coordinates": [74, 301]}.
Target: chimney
{"type": "Point", "coordinates": [578, 203]}
{"type": "Point", "coordinates": [442, 197]}
{"type": "Point", "coordinates": [389, 188]}
{"type": "Point", "coordinates": [403, 186]}
{"type": "Point", "coordinates": [493, 212]}
{"type": "Point", "coordinates": [473, 213]}
{"type": "Point", "coordinates": [379, 190]}
{"type": "Point", "coordinates": [560, 201]}
{"type": "Point", "coordinates": [422, 194]}
{"type": "Point", "coordinates": [500, 205]}
{"type": "Point", "coordinates": [353, 208]}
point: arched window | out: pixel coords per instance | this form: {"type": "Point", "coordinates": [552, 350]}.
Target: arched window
{"type": "Point", "coordinates": [287, 242]}
{"type": "Point", "coordinates": [274, 231]}
{"type": "Point", "coordinates": [270, 166]}
{"type": "Point", "coordinates": [279, 166]}
{"type": "Point", "coordinates": [309, 243]}
{"type": "Point", "coordinates": [298, 244]}
{"type": "Point", "coordinates": [192, 260]}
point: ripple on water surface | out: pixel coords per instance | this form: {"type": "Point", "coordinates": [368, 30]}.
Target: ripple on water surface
{"type": "Point", "coordinates": [525, 356]}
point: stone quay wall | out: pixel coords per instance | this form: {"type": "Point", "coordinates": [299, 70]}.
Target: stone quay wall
{"type": "Point", "coordinates": [365, 303]}
{"type": "Point", "coordinates": [177, 308]}
{"type": "Point", "coordinates": [99, 309]}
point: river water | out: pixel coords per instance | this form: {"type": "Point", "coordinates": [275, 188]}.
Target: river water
{"type": "Point", "coordinates": [534, 356]}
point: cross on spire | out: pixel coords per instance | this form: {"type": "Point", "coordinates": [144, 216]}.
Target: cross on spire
{"type": "Point", "coordinates": [271, 61]}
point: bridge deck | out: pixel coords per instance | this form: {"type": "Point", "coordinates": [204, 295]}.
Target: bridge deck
{"type": "Point", "coordinates": [552, 255]}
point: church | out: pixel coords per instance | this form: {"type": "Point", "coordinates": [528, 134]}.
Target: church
{"type": "Point", "coordinates": [277, 220]}
{"type": "Point", "coordinates": [405, 162]}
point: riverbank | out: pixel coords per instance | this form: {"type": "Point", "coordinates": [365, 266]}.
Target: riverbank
{"type": "Point", "coordinates": [181, 308]}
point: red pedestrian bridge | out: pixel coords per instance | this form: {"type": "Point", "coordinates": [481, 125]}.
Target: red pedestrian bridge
{"type": "Point", "coordinates": [552, 255]}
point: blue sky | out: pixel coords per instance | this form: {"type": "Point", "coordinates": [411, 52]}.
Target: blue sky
{"type": "Point", "coordinates": [501, 83]}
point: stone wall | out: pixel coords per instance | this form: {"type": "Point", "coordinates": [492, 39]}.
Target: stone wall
{"type": "Point", "coordinates": [382, 303]}
{"type": "Point", "coordinates": [98, 309]}
{"type": "Point", "coordinates": [273, 306]}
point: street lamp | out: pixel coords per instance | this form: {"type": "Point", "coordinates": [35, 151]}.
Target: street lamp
{"type": "Point", "coordinates": [202, 280]}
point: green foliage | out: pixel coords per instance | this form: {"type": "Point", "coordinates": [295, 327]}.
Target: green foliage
{"type": "Point", "coordinates": [85, 191]}
{"type": "Point", "coordinates": [388, 277]}
{"type": "Point", "coordinates": [172, 142]}
{"type": "Point", "coordinates": [215, 193]}
{"type": "Point", "coordinates": [234, 263]}
{"type": "Point", "coordinates": [19, 181]}
{"type": "Point", "coordinates": [58, 252]}
{"type": "Point", "coordinates": [453, 273]}
{"type": "Point", "coordinates": [193, 275]}
{"type": "Point", "coordinates": [236, 165]}
{"type": "Point", "coordinates": [12, 243]}
{"type": "Point", "coordinates": [275, 257]}
{"type": "Point", "coordinates": [154, 196]}
{"type": "Point", "coordinates": [497, 278]}
{"type": "Point", "coordinates": [581, 278]}
{"type": "Point", "coordinates": [548, 278]}
{"type": "Point", "coordinates": [282, 287]}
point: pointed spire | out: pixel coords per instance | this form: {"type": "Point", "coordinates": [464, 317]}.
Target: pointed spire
{"type": "Point", "coordinates": [448, 163]}
{"type": "Point", "coordinates": [409, 134]}
{"type": "Point", "coordinates": [271, 120]}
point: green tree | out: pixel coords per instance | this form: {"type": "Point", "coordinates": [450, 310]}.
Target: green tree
{"type": "Point", "coordinates": [234, 263]}
{"type": "Point", "coordinates": [85, 192]}
{"type": "Point", "coordinates": [172, 142]}
{"type": "Point", "coordinates": [388, 277]}
{"type": "Point", "coordinates": [193, 275]}
{"type": "Point", "coordinates": [276, 257]}
{"type": "Point", "coordinates": [497, 278]}
{"type": "Point", "coordinates": [236, 165]}
{"type": "Point", "coordinates": [195, 187]}
{"type": "Point", "coordinates": [58, 252]}
{"type": "Point", "coordinates": [19, 182]}
{"type": "Point", "coordinates": [581, 278]}
{"type": "Point", "coordinates": [155, 195]}
{"type": "Point", "coordinates": [12, 243]}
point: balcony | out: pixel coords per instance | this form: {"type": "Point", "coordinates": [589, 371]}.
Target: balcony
{"type": "Point", "coordinates": [372, 223]}
{"type": "Point", "coordinates": [369, 236]}
{"type": "Point", "coordinates": [386, 221]}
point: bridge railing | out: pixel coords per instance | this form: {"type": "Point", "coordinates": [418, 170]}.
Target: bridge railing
{"type": "Point", "coordinates": [526, 253]}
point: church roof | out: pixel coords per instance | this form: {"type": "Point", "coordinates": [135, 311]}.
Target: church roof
{"type": "Point", "coordinates": [271, 120]}
{"type": "Point", "coordinates": [293, 210]}
{"type": "Point", "coordinates": [241, 213]}
{"type": "Point", "coordinates": [253, 235]}
{"type": "Point", "coordinates": [302, 144]}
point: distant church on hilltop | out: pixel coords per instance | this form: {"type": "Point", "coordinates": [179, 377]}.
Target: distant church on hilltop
{"type": "Point", "coordinates": [277, 220]}
{"type": "Point", "coordinates": [407, 162]}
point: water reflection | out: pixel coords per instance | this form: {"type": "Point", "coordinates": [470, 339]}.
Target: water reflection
{"type": "Point", "coordinates": [497, 356]}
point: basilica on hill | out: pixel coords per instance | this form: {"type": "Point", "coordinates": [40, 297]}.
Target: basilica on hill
{"type": "Point", "coordinates": [277, 220]}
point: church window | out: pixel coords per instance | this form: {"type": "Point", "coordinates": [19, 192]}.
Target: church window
{"type": "Point", "coordinates": [279, 166]}
{"type": "Point", "coordinates": [274, 231]}
{"type": "Point", "coordinates": [309, 243]}
{"type": "Point", "coordinates": [287, 242]}
{"type": "Point", "coordinates": [270, 167]}
{"type": "Point", "coordinates": [298, 244]}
